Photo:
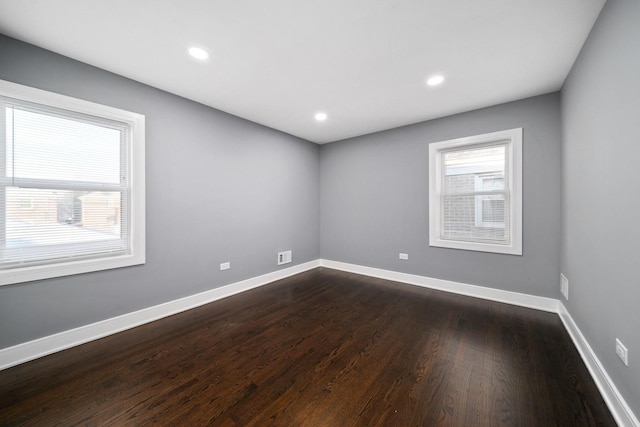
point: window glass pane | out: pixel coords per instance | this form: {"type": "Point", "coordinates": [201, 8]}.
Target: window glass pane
{"type": "Point", "coordinates": [469, 213]}
{"type": "Point", "coordinates": [42, 146]}
{"type": "Point", "coordinates": [461, 167]}
{"type": "Point", "coordinates": [36, 217]}
{"type": "Point", "coordinates": [476, 218]}
{"type": "Point", "coordinates": [491, 183]}
{"type": "Point", "coordinates": [493, 210]}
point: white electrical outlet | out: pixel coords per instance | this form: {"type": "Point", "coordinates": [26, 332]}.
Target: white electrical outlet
{"type": "Point", "coordinates": [225, 266]}
{"type": "Point", "coordinates": [564, 286]}
{"type": "Point", "coordinates": [403, 256]}
{"type": "Point", "coordinates": [622, 352]}
{"type": "Point", "coordinates": [284, 257]}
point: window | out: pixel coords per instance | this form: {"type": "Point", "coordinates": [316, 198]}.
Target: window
{"type": "Point", "coordinates": [475, 193]}
{"type": "Point", "coordinates": [71, 185]}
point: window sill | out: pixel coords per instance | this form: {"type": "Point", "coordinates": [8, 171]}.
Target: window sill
{"type": "Point", "coordinates": [41, 272]}
{"type": "Point", "coordinates": [513, 249]}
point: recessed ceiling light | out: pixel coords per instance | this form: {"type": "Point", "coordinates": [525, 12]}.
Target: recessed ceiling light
{"type": "Point", "coordinates": [435, 80]}
{"type": "Point", "coordinates": [199, 53]}
{"type": "Point", "coordinates": [321, 117]}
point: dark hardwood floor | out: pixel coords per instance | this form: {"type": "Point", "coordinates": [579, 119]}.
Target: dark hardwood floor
{"type": "Point", "coordinates": [323, 348]}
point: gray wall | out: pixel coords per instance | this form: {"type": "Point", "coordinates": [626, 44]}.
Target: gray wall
{"type": "Point", "coordinates": [374, 200]}
{"type": "Point", "coordinates": [601, 191]}
{"type": "Point", "coordinates": [219, 189]}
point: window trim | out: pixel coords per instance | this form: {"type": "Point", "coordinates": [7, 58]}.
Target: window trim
{"type": "Point", "coordinates": [514, 171]}
{"type": "Point", "coordinates": [136, 165]}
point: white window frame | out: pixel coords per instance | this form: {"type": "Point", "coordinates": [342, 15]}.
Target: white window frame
{"type": "Point", "coordinates": [513, 169]}
{"type": "Point", "coordinates": [136, 166]}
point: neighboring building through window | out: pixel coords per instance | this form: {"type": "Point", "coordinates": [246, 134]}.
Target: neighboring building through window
{"type": "Point", "coordinates": [71, 185]}
{"type": "Point", "coordinates": [490, 208]}
{"type": "Point", "coordinates": [475, 193]}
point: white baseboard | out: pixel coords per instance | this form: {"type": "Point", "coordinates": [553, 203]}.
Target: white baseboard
{"type": "Point", "coordinates": [514, 298]}
{"type": "Point", "coordinates": [623, 415]}
{"type": "Point", "coordinates": [30, 350]}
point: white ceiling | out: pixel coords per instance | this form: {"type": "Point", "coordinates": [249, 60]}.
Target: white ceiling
{"type": "Point", "coordinates": [363, 62]}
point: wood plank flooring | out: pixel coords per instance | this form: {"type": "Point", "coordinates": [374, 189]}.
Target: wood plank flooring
{"type": "Point", "coordinates": [323, 348]}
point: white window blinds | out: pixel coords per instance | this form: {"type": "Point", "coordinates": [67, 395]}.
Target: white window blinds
{"type": "Point", "coordinates": [65, 185]}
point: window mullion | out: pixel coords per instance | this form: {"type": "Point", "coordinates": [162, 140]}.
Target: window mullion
{"type": "Point", "coordinates": [47, 184]}
{"type": "Point", "coordinates": [478, 193]}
